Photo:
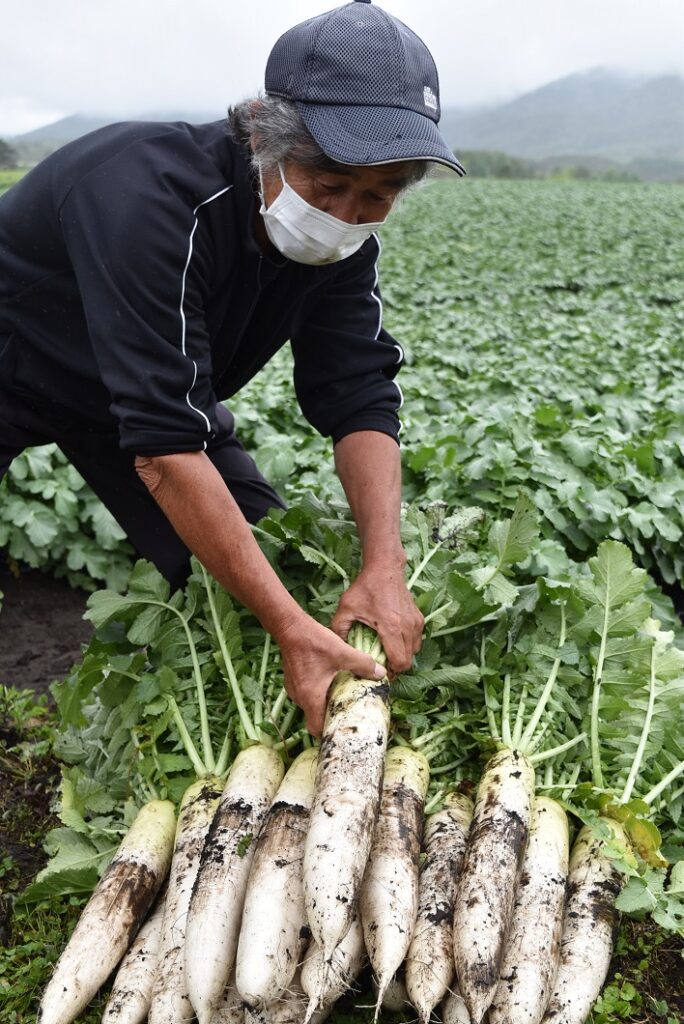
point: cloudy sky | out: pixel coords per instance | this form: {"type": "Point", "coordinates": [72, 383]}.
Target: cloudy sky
{"type": "Point", "coordinates": [128, 57]}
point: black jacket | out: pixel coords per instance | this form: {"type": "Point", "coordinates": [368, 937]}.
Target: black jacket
{"type": "Point", "coordinates": [135, 294]}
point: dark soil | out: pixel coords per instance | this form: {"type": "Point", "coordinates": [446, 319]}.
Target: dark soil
{"type": "Point", "coordinates": [41, 633]}
{"type": "Point", "coordinates": [41, 628]}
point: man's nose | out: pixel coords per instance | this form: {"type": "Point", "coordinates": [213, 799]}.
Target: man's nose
{"type": "Point", "coordinates": [348, 209]}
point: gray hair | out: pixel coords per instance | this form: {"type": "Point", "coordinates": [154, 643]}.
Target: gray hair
{"type": "Point", "coordinates": [273, 131]}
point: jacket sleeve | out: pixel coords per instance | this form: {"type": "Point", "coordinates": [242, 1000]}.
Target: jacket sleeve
{"type": "Point", "coordinates": [345, 362]}
{"type": "Point", "coordinates": [142, 268]}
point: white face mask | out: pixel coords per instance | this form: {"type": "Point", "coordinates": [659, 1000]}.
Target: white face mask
{"type": "Point", "coordinates": [307, 235]}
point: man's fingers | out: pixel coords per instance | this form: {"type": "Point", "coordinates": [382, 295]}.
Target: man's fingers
{"type": "Point", "coordinates": [314, 723]}
{"type": "Point", "coordinates": [399, 654]}
{"type": "Point", "coordinates": [341, 623]}
{"type": "Point", "coordinates": [363, 665]}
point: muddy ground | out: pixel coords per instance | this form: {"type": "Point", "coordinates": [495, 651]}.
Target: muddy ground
{"type": "Point", "coordinates": [41, 628]}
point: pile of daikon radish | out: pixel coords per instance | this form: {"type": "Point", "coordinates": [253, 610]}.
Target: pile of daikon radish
{"type": "Point", "coordinates": [282, 885]}
{"type": "Point", "coordinates": [279, 889]}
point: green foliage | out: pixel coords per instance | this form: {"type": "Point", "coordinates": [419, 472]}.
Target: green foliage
{"type": "Point", "coordinates": [487, 163]}
{"type": "Point", "coordinates": [542, 325]}
{"type": "Point", "coordinates": [50, 518]}
{"type": "Point", "coordinates": [8, 156]}
{"type": "Point", "coordinates": [9, 178]}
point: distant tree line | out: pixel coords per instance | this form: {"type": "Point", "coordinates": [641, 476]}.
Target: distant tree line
{"type": "Point", "coordinates": [483, 163]}
{"type": "Point", "coordinates": [9, 159]}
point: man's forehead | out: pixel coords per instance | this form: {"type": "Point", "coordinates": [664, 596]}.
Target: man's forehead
{"type": "Point", "coordinates": [388, 174]}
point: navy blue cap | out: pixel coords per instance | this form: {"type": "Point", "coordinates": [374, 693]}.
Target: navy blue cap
{"type": "Point", "coordinates": [365, 85]}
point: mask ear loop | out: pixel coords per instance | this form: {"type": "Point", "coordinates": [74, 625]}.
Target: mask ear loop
{"type": "Point", "coordinates": [261, 182]}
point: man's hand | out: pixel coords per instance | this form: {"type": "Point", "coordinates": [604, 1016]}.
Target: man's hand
{"type": "Point", "coordinates": [312, 656]}
{"type": "Point", "coordinates": [379, 598]}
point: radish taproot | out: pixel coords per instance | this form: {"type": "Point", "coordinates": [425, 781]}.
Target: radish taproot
{"type": "Point", "coordinates": [170, 1000]}
{"type": "Point", "coordinates": [112, 915]}
{"type": "Point", "coordinates": [395, 997]}
{"type": "Point", "coordinates": [454, 1009]}
{"type": "Point", "coordinates": [131, 994]}
{"type": "Point", "coordinates": [218, 893]}
{"type": "Point", "coordinates": [388, 902]}
{"type": "Point", "coordinates": [589, 926]}
{"type": "Point", "coordinates": [230, 1008]}
{"type": "Point", "coordinates": [274, 930]}
{"type": "Point", "coordinates": [491, 868]}
{"type": "Point", "coordinates": [324, 981]}
{"type": "Point", "coordinates": [346, 798]}
{"type": "Point", "coordinates": [430, 959]}
{"type": "Point", "coordinates": [533, 948]}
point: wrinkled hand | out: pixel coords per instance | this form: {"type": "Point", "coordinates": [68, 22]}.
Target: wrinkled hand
{"type": "Point", "coordinates": [312, 656]}
{"type": "Point", "coordinates": [379, 598]}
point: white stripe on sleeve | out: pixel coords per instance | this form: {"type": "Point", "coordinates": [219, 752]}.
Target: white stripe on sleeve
{"type": "Point", "coordinates": [182, 302]}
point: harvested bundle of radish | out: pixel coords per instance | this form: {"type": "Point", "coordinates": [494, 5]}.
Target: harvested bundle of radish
{"type": "Point", "coordinates": [131, 994]}
{"type": "Point", "coordinates": [274, 930]}
{"type": "Point", "coordinates": [113, 915]}
{"type": "Point", "coordinates": [346, 797]}
{"type": "Point", "coordinates": [388, 901]}
{"type": "Point", "coordinates": [430, 959]}
{"type": "Point", "coordinates": [533, 947]}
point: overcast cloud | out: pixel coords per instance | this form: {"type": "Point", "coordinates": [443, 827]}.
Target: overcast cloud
{"type": "Point", "coordinates": [125, 57]}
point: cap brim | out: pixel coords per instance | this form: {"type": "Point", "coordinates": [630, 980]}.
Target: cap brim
{"type": "Point", "coordinates": [376, 135]}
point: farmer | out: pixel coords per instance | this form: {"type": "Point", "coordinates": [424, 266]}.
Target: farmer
{"type": "Point", "coordinates": [149, 270]}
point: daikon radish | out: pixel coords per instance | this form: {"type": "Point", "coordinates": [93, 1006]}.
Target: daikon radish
{"type": "Point", "coordinates": [113, 914]}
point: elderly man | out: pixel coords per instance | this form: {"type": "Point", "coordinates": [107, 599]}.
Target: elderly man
{"type": "Point", "coordinates": [149, 270]}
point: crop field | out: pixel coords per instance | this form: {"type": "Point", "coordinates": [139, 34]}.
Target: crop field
{"type": "Point", "coordinates": [542, 324]}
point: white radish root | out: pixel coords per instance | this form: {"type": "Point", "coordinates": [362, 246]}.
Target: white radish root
{"type": "Point", "coordinates": [290, 1008]}
{"type": "Point", "coordinates": [396, 998]}
{"type": "Point", "coordinates": [589, 927]}
{"type": "Point", "coordinates": [388, 902]}
{"type": "Point", "coordinates": [533, 948]}
{"type": "Point", "coordinates": [345, 805]}
{"type": "Point", "coordinates": [430, 959]}
{"type": "Point", "coordinates": [230, 1008]}
{"type": "Point", "coordinates": [131, 994]}
{"type": "Point", "coordinates": [489, 879]}
{"type": "Point", "coordinates": [170, 1000]}
{"type": "Point", "coordinates": [274, 929]}
{"type": "Point", "coordinates": [454, 1009]}
{"type": "Point", "coordinates": [324, 981]}
{"type": "Point", "coordinates": [113, 914]}
{"type": "Point", "coordinates": [218, 893]}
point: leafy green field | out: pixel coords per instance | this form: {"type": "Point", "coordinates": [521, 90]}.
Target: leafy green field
{"type": "Point", "coordinates": [9, 178]}
{"type": "Point", "coordinates": [543, 325]}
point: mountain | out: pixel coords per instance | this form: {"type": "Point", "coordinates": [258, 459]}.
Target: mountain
{"type": "Point", "coordinates": [635, 122]}
{"type": "Point", "coordinates": [69, 128]}
{"type": "Point", "coordinates": [597, 113]}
